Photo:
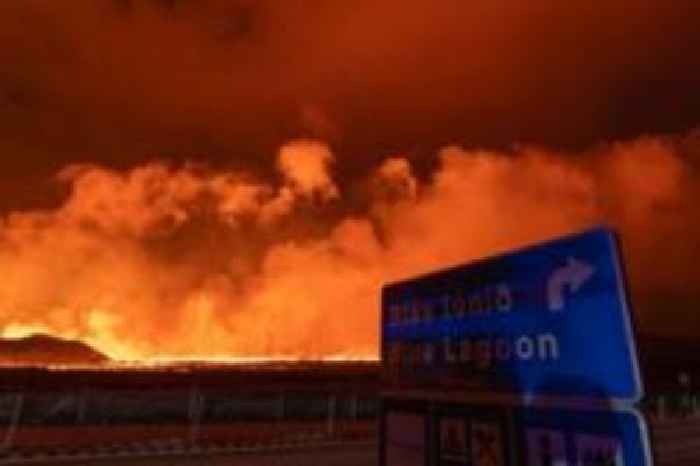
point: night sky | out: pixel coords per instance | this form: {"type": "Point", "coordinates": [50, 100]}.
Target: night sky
{"type": "Point", "coordinates": [119, 82]}
{"type": "Point", "coordinates": [214, 86]}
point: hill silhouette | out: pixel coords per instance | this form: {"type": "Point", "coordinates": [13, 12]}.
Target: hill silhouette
{"type": "Point", "coordinates": [45, 349]}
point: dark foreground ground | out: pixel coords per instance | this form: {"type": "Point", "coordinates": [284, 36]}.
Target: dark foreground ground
{"type": "Point", "coordinates": [61, 416]}
{"type": "Point", "coordinates": [355, 455]}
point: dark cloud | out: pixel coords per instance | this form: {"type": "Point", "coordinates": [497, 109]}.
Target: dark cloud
{"type": "Point", "coordinates": [122, 81]}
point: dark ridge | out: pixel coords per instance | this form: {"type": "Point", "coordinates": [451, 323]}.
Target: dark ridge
{"type": "Point", "coordinates": [46, 350]}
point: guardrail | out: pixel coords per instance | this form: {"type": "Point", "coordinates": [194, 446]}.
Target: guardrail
{"type": "Point", "coordinates": [172, 449]}
{"type": "Point", "coordinates": [62, 443]}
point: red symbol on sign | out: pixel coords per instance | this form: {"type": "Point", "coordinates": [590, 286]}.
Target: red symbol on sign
{"type": "Point", "coordinates": [487, 444]}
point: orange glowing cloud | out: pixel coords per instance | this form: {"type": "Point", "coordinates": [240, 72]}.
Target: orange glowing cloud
{"type": "Point", "coordinates": [160, 261]}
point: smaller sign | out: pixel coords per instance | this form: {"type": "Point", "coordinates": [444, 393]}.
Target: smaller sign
{"type": "Point", "coordinates": [421, 432]}
{"type": "Point", "coordinates": [562, 437]}
{"type": "Point", "coordinates": [487, 444]}
{"type": "Point", "coordinates": [471, 438]}
{"type": "Point", "coordinates": [545, 447]}
{"type": "Point", "coordinates": [405, 439]}
{"type": "Point", "coordinates": [597, 450]}
{"type": "Point", "coordinates": [454, 442]}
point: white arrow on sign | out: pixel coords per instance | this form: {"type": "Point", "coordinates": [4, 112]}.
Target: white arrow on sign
{"type": "Point", "coordinates": [574, 274]}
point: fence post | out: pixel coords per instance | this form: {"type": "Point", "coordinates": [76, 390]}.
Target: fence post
{"type": "Point", "coordinates": [82, 406]}
{"type": "Point", "coordinates": [281, 406]}
{"type": "Point", "coordinates": [661, 407]}
{"type": "Point", "coordinates": [14, 422]}
{"type": "Point", "coordinates": [194, 414]}
{"type": "Point", "coordinates": [330, 426]}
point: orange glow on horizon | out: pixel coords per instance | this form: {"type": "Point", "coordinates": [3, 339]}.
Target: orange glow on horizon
{"type": "Point", "coordinates": [159, 265]}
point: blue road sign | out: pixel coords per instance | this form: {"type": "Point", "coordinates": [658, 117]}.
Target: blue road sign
{"type": "Point", "coordinates": [558, 437]}
{"type": "Point", "coordinates": [552, 319]}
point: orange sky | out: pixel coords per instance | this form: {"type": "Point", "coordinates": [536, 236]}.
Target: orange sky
{"type": "Point", "coordinates": [239, 177]}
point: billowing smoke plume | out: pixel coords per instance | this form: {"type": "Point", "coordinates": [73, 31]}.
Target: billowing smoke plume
{"type": "Point", "coordinates": [191, 261]}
